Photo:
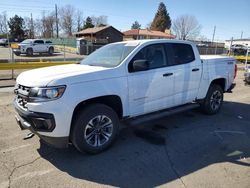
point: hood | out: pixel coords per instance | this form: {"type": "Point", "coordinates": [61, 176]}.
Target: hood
{"type": "Point", "coordinates": [43, 76]}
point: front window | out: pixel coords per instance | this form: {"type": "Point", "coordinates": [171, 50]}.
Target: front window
{"type": "Point", "coordinates": [27, 41]}
{"type": "Point", "coordinates": [110, 55]}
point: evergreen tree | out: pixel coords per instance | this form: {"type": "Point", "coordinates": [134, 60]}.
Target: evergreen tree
{"type": "Point", "coordinates": [16, 25]}
{"type": "Point", "coordinates": [88, 23]}
{"type": "Point", "coordinates": [162, 19]}
{"type": "Point", "coordinates": [136, 25]}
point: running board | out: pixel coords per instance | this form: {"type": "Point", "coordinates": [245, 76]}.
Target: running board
{"type": "Point", "coordinates": [160, 114]}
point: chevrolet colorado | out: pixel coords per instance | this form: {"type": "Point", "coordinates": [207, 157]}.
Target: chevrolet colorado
{"type": "Point", "coordinates": [84, 103]}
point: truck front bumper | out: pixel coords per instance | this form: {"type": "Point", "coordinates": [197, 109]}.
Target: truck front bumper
{"type": "Point", "coordinates": [17, 51]}
{"type": "Point", "coordinates": [40, 122]}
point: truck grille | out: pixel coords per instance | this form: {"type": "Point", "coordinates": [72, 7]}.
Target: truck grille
{"type": "Point", "coordinates": [22, 97]}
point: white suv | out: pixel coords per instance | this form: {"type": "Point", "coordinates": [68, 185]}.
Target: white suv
{"type": "Point", "coordinates": [30, 46]}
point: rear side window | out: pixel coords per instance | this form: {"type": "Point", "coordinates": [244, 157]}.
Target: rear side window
{"type": "Point", "coordinates": [38, 42]}
{"type": "Point", "coordinates": [180, 53]}
{"type": "Point", "coordinates": [48, 42]}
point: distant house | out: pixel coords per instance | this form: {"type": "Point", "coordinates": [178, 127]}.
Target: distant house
{"type": "Point", "coordinates": [105, 34]}
{"type": "Point", "coordinates": [136, 34]}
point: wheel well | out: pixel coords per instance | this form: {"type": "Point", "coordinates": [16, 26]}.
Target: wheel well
{"type": "Point", "coordinates": [29, 49]}
{"type": "Point", "coordinates": [221, 82]}
{"type": "Point", "coordinates": [113, 101]}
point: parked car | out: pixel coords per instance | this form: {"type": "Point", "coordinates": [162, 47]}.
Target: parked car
{"type": "Point", "coordinates": [31, 46]}
{"type": "Point", "coordinates": [133, 80]}
{"type": "Point", "coordinates": [3, 42]}
{"type": "Point", "coordinates": [239, 48]}
{"type": "Point", "coordinates": [247, 74]}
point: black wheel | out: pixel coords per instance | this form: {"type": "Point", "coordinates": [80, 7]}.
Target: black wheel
{"type": "Point", "coordinates": [29, 52]}
{"type": "Point", "coordinates": [95, 129]}
{"type": "Point", "coordinates": [51, 51]}
{"type": "Point", "coordinates": [213, 101]}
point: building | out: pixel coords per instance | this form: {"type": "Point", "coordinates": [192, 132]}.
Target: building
{"type": "Point", "coordinates": [137, 34]}
{"type": "Point", "coordinates": [215, 44]}
{"type": "Point", "coordinates": [105, 34]}
{"type": "Point", "coordinates": [237, 41]}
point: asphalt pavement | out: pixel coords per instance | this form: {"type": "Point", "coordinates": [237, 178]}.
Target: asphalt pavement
{"type": "Point", "coordinates": [189, 149]}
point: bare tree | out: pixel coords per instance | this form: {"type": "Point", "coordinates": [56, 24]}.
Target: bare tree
{"type": "Point", "coordinates": [67, 19]}
{"type": "Point", "coordinates": [186, 27]}
{"type": "Point", "coordinates": [29, 27]}
{"type": "Point", "coordinates": [38, 28]}
{"type": "Point", "coordinates": [99, 20]}
{"type": "Point", "coordinates": [79, 20]}
{"type": "Point", "coordinates": [48, 25]}
{"type": "Point", "coordinates": [3, 23]}
{"type": "Point", "coordinates": [202, 38]}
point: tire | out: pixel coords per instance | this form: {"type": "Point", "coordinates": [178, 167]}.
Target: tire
{"type": "Point", "coordinates": [29, 52]}
{"type": "Point", "coordinates": [95, 129]}
{"type": "Point", "coordinates": [51, 51]}
{"type": "Point", "coordinates": [213, 101]}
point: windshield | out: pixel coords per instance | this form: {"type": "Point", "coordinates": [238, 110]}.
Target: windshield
{"type": "Point", "coordinates": [27, 41]}
{"type": "Point", "coordinates": [110, 55]}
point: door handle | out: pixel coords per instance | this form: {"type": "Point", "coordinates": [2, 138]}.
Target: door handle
{"type": "Point", "coordinates": [167, 74]}
{"type": "Point", "coordinates": [196, 69]}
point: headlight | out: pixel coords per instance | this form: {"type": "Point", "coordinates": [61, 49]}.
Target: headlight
{"type": "Point", "coordinates": [46, 94]}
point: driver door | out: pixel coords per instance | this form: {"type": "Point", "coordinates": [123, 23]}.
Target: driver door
{"type": "Point", "coordinates": [150, 90]}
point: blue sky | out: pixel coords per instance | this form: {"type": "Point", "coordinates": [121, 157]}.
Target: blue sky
{"type": "Point", "coordinates": [230, 17]}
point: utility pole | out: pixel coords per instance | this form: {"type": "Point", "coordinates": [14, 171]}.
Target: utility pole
{"type": "Point", "coordinates": [32, 33]}
{"type": "Point", "coordinates": [213, 34]}
{"type": "Point", "coordinates": [246, 57]}
{"type": "Point", "coordinates": [231, 43]}
{"type": "Point", "coordinates": [57, 30]}
{"type": "Point", "coordinates": [241, 35]}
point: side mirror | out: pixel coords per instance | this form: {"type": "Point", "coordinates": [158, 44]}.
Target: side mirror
{"type": "Point", "coordinates": [140, 65]}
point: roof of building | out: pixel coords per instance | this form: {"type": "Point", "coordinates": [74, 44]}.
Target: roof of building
{"type": "Point", "coordinates": [147, 32]}
{"type": "Point", "coordinates": [246, 39]}
{"type": "Point", "coordinates": [95, 30]}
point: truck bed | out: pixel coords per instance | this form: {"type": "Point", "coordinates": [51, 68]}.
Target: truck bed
{"type": "Point", "coordinates": [216, 58]}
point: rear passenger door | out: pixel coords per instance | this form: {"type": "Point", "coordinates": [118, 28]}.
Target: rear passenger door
{"type": "Point", "coordinates": [39, 46]}
{"type": "Point", "coordinates": [187, 72]}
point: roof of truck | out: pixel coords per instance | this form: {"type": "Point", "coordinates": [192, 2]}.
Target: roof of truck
{"type": "Point", "coordinates": [157, 40]}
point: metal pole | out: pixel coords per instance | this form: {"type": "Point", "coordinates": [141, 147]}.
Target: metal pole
{"type": "Point", "coordinates": [32, 33]}
{"type": "Point", "coordinates": [246, 57]}
{"type": "Point", "coordinates": [11, 60]}
{"type": "Point", "coordinates": [64, 52]}
{"type": "Point", "coordinates": [231, 43]}
{"type": "Point", "coordinates": [213, 34]}
{"type": "Point", "coordinates": [215, 51]}
{"type": "Point", "coordinates": [57, 30]}
{"type": "Point", "coordinates": [241, 35]}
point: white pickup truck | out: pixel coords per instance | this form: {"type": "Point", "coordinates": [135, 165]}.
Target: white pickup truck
{"type": "Point", "coordinates": [84, 103]}
{"type": "Point", "coordinates": [31, 46]}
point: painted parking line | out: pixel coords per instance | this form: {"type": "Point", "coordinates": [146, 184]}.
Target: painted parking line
{"type": "Point", "coordinates": [34, 174]}
{"type": "Point", "coordinates": [14, 148]}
